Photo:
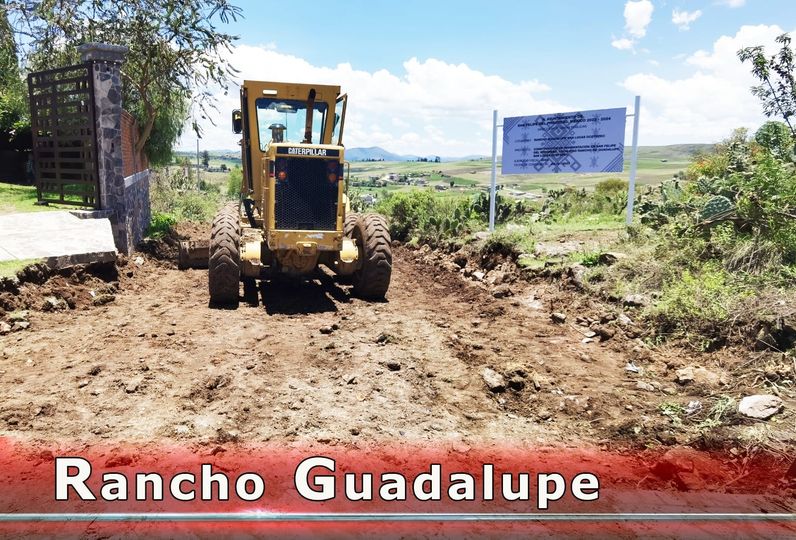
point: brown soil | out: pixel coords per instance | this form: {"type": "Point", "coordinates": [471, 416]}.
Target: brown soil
{"type": "Point", "coordinates": [308, 362]}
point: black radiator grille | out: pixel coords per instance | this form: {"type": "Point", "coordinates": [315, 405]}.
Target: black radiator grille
{"type": "Point", "coordinates": [305, 200]}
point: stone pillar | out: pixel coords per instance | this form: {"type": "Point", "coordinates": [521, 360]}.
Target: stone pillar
{"type": "Point", "coordinates": [106, 63]}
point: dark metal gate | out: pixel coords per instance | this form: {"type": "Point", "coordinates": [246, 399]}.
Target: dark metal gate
{"type": "Point", "coordinates": [64, 135]}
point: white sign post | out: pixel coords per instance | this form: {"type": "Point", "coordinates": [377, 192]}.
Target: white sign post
{"type": "Point", "coordinates": [576, 142]}
{"type": "Point", "coordinates": [493, 187]}
{"type": "Point", "coordinates": [631, 188]}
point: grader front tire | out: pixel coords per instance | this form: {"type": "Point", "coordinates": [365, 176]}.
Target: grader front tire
{"type": "Point", "coordinates": [351, 219]}
{"type": "Point", "coordinates": [372, 236]}
{"type": "Point", "coordinates": [224, 264]}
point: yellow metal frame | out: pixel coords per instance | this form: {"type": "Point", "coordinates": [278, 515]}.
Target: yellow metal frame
{"type": "Point", "coordinates": [263, 184]}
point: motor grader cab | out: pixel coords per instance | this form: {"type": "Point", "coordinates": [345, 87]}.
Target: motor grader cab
{"type": "Point", "coordinates": [293, 213]}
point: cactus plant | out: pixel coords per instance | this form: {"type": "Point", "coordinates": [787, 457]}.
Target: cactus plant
{"type": "Point", "coordinates": [705, 186]}
{"type": "Point", "coordinates": [716, 208]}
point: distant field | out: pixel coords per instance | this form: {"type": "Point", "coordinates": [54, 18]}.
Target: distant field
{"type": "Point", "coordinates": [655, 164]}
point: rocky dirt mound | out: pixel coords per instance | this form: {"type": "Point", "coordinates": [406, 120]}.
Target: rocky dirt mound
{"type": "Point", "coordinates": [166, 248]}
{"type": "Point", "coordinates": [39, 288]}
{"type": "Point", "coordinates": [656, 394]}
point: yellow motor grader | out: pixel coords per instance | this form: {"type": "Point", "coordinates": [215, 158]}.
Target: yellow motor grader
{"type": "Point", "coordinates": [294, 212]}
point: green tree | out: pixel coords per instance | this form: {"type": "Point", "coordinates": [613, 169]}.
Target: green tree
{"type": "Point", "coordinates": [776, 138]}
{"type": "Point", "coordinates": [176, 61]}
{"type": "Point", "coordinates": [14, 118]}
{"type": "Point", "coordinates": [205, 158]}
{"type": "Point", "coordinates": [776, 73]}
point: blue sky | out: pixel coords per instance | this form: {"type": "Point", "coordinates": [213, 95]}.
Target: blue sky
{"type": "Point", "coordinates": [423, 76]}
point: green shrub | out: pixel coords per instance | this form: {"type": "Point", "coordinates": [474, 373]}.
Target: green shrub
{"type": "Point", "coordinates": [698, 305]}
{"type": "Point", "coordinates": [610, 186]}
{"type": "Point", "coordinates": [161, 224]}
{"type": "Point", "coordinates": [421, 213]}
{"type": "Point", "coordinates": [775, 137]}
{"type": "Point", "coordinates": [173, 193]}
{"type": "Point", "coordinates": [234, 181]}
{"type": "Point", "coordinates": [572, 204]}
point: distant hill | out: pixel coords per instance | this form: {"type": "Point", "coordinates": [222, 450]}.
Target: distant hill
{"type": "Point", "coordinates": [676, 152]}
{"type": "Point", "coordinates": [374, 153]}
{"type": "Point", "coordinates": [672, 151]}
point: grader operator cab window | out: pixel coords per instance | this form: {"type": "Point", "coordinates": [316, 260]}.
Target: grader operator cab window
{"type": "Point", "coordinates": [287, 118]}
{"type": "Point", "coordinates": [339, 119]}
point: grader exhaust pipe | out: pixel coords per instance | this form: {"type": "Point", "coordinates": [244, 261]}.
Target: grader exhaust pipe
{"type": "Point", "coordinates": [308, 124]}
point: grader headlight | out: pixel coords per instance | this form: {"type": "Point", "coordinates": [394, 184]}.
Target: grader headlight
{"type": "Point", "coordinates": [333, 171]}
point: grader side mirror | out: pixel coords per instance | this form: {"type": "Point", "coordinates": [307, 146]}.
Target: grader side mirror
{"type": "Point", "coordinates": [237, 121]}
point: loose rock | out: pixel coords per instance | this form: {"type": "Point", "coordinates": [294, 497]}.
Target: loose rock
{"type": "Point", "coordinates": [516, 383]}
{"type": "Point", "coordinates": [610, 257]}
{"type": "Point", "coordinates": [760, 406]}
{"type": "Point", "coordinates": [647, 387]}
{"type": "Point", "coordinates": [494, 380]}
{"type": "Point", "coordinates": [102, 299]}
{"type": "Point", "coordinates": [132, 385]}
{"type": "Point", "coordinates": [558, 317]}
{"type": "Point", "coordinates": [700, 376]}
{"type": "Point", "coordinates": [18, 316]}
{"type": "Point", "coordinates": [636, 300]}
{"type": "Point", "coordinates": [576, 273]}
{"type": "Point", "coordinates": [501, 291]}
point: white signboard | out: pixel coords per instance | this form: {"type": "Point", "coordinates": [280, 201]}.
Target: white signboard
{"type": "Point", "coordinates": [574, 142]}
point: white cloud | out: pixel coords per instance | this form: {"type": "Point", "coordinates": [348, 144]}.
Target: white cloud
{"type": "Point", "coordinates": [638, 15]}
{"type": "Point", "coordinates": [732, 3]}
{"type": "Point", "coordinates": [683, 19]}
{"type": "Point", "coordinates": [708, 104]}
{"type": "Point", "coordinates": [430, 107]}
{"type": "Point", "coordinates": [623, 44]}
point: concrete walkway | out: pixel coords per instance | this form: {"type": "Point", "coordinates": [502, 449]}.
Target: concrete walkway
{"type": "Point", "coordinates": [58, 238]}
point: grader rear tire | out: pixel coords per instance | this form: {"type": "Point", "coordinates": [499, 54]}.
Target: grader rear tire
{"type": "Point", "coordinates": [372, 236]}
{"type": "Point", "coordinates": [224, 263]}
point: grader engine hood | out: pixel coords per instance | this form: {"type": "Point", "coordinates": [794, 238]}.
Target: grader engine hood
{"type": "Point", "coordinates": [307, 197]}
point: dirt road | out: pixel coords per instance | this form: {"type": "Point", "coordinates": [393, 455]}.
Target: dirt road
{"type": "Point", "coordinates": [308, 362]}
{"type": "Point", "coordinates": [448, 362]}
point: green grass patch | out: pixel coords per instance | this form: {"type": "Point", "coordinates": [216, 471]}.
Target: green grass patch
{"type": "Point", "coordinates": [699, 305]}
{"type": "Point", "coordinates": [15, 198]}
{"type": "Point", "coordinates": [10, 268]}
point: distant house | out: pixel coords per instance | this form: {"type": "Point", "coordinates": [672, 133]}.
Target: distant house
{"type": "Point", "coordinates": [368, 199]}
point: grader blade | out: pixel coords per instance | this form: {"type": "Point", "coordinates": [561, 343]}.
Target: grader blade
{"type": "Point", "coordinates": [194, 254]}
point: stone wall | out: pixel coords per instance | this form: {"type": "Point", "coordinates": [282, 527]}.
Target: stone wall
{"type": "Point", "coordinates": [123, 197]}
{"type": "Point", "coordinates": [136, 201]}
